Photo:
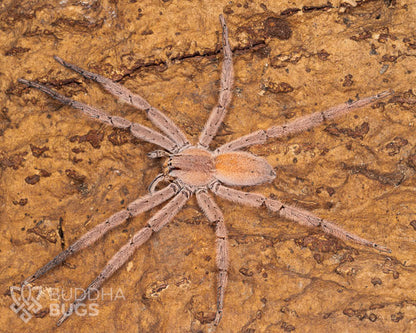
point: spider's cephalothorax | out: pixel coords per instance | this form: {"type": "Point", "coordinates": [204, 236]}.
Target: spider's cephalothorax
{"type": "Point", "coordinates": [199, 167]}
{"type": "Point", "coordinates": [195, 170]}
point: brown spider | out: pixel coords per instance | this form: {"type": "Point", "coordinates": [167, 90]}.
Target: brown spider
{"type": "Point", "coordinates": [195, 170]}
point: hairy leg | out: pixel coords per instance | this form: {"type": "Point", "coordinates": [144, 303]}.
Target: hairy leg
{"type": "Point", "coordinates": [227, 78]}
{"type": "Point", "coordinates": [139, 131]}
{"type": "Point", "coordinates": [134, 208]}
{"type": "Point", "coordinates": [164, 123]}
{"type": "Point", "coordinates": [155, 223]}
{"type": "Point", "coordinates": [298, 215]}
{"type": "Point", "coordinates": [298, 125]}
{"type": "Point", "coordinates": [214, 215]}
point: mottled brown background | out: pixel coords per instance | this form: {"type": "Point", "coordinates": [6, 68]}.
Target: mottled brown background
{"type": "Point", "coordinates": [62, 173]}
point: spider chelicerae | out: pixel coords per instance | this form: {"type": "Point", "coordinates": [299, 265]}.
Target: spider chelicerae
{"type": "Point", "coordinates": [194, 169]}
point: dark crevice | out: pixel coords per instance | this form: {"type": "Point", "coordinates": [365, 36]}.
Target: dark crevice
{"type": "Point", "coordinates": [61, 233]}
{"type": "Point", "coordinates": [308, 9]}
{"type": "Point", "coordinates": [238, 50]}
{"type": "Point", "coordinates": [255, 46]}
{"type": "Point", "coordinates": [394, 178]}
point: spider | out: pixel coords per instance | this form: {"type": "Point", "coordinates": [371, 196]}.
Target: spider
{"type": "Point", "coordinates": [195, 170]}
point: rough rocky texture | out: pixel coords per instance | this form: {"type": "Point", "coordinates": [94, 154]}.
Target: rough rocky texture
{"type": "Point", "coordinates": [62, 173]}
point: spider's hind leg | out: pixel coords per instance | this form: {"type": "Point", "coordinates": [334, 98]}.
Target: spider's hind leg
{"type": "Point", "coordinates": [300, 124]}
{"type": "Point", "coordinates": [304, 217]}
{"type": "Point", "coordinates": [295, 214]}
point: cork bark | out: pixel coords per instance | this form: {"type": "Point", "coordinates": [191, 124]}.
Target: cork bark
{"type": "Point", "coordinates": [62, 173]}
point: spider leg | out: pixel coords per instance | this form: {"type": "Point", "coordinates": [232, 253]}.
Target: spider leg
{"type": "Point", "coordinates": [134, 208]}
{"type": "Point", "coordinates": [160, 177]}
{"type": "Point", "coordinates": [154, 224]}
{"type": "Point", "coordinates": [139, 131]}
{"type": "Point", "coordinates": [295, 214]}
{"type": "Point", "coordinates": [227, 78]}
{"type": "Point", "coordinates": [299, 125]}
{"type": "Point", "coordinates": [214, 215]}
{"type": "Point", "coordinates": [164, 123]}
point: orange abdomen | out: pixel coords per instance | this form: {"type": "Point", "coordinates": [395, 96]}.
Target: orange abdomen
{"type": "Point", "coordinates": [242, 168]}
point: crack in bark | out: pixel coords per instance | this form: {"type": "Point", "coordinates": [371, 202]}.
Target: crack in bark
{"type": "Point", "coordinates": [394, 178]}
{"type": "Point", "coordinates": [255, 46]}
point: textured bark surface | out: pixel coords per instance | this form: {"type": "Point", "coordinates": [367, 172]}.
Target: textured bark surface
{"type": "Point", "coordinates": [62, 173]}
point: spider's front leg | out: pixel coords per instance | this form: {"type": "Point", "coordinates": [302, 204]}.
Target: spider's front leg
{"type": "Point", "coordinates": [155, 116]}
{"type": "Point", "coordinates": [154, 224]}
{"type": "Point", "coordinates": [214, 215]}
{"type": "Point", "coordinates": [133, 209]}
{"type": "Point", "coordinates": [139, 131]}
{"type": "Point", "coordinates": [295, 214]}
